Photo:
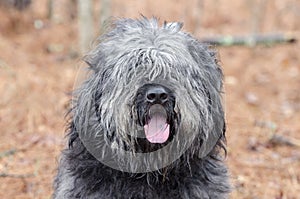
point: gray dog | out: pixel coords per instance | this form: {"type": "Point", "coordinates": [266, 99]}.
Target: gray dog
{"type": "Point", "coordinates": [148, 123]}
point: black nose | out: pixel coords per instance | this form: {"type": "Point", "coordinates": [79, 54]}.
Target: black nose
{"type": "Point", "coordinates": [157, 94]}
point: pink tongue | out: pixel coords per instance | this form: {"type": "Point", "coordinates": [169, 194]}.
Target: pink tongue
{"type": "Point", "coordinates": [157, 130]}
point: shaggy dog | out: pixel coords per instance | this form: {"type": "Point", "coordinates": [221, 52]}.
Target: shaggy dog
{"type": "Point", "coordinates": [148, 123]}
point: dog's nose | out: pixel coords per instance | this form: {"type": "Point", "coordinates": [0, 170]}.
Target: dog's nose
{"type": "Point", "coordinates": [157, 95]}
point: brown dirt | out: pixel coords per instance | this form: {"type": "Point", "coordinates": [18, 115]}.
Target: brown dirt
{"type": "Point", "coordinates": [39, 66]}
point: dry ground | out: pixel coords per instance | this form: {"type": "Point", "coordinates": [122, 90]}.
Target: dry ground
{"type": "Point", "coordinates": [39, 63]}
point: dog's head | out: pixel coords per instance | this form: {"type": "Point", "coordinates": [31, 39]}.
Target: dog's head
{"type": "Point", "coordinates": [152, 88]}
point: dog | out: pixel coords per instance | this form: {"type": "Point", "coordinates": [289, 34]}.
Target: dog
{"type": "Point", "coordinates": [148, 122]}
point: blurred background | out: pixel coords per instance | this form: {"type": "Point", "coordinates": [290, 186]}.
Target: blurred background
{"type": "Point", "coordinates": [41, 45]}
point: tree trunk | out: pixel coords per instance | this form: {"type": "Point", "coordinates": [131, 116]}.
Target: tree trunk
{"type": "Point", "coordinates": [86, 30]}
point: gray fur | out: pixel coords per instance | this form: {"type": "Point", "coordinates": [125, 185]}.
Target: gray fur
{"type": "Point", "coordinates": [132, 54]}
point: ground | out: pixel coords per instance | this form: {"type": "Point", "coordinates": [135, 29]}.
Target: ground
{"type": "Point", "coordinates": [40, 60]}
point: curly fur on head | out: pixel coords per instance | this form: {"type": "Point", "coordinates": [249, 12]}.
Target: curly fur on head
{"type": "Point", "coordinates": [110, 112]}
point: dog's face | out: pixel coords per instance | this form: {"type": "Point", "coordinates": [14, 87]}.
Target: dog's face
{"type": "Point", "coordinates": [151, 88]}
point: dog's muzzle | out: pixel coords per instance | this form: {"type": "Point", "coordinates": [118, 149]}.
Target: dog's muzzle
{"type": "Point", "coordinates": [154, 102]}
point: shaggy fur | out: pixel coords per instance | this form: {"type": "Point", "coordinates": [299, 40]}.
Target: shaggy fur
{"type": "Point", "coordinates": [111, 110]}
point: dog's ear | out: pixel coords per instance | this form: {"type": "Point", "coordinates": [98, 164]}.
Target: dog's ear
{"type": "Point", "coordinates": [212, 82]}
{"type": "Point", "coordinates": [217, 121]}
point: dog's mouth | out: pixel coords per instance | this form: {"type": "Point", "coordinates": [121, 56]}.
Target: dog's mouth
{"type": "Point", "coordinates": [157, 129]}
